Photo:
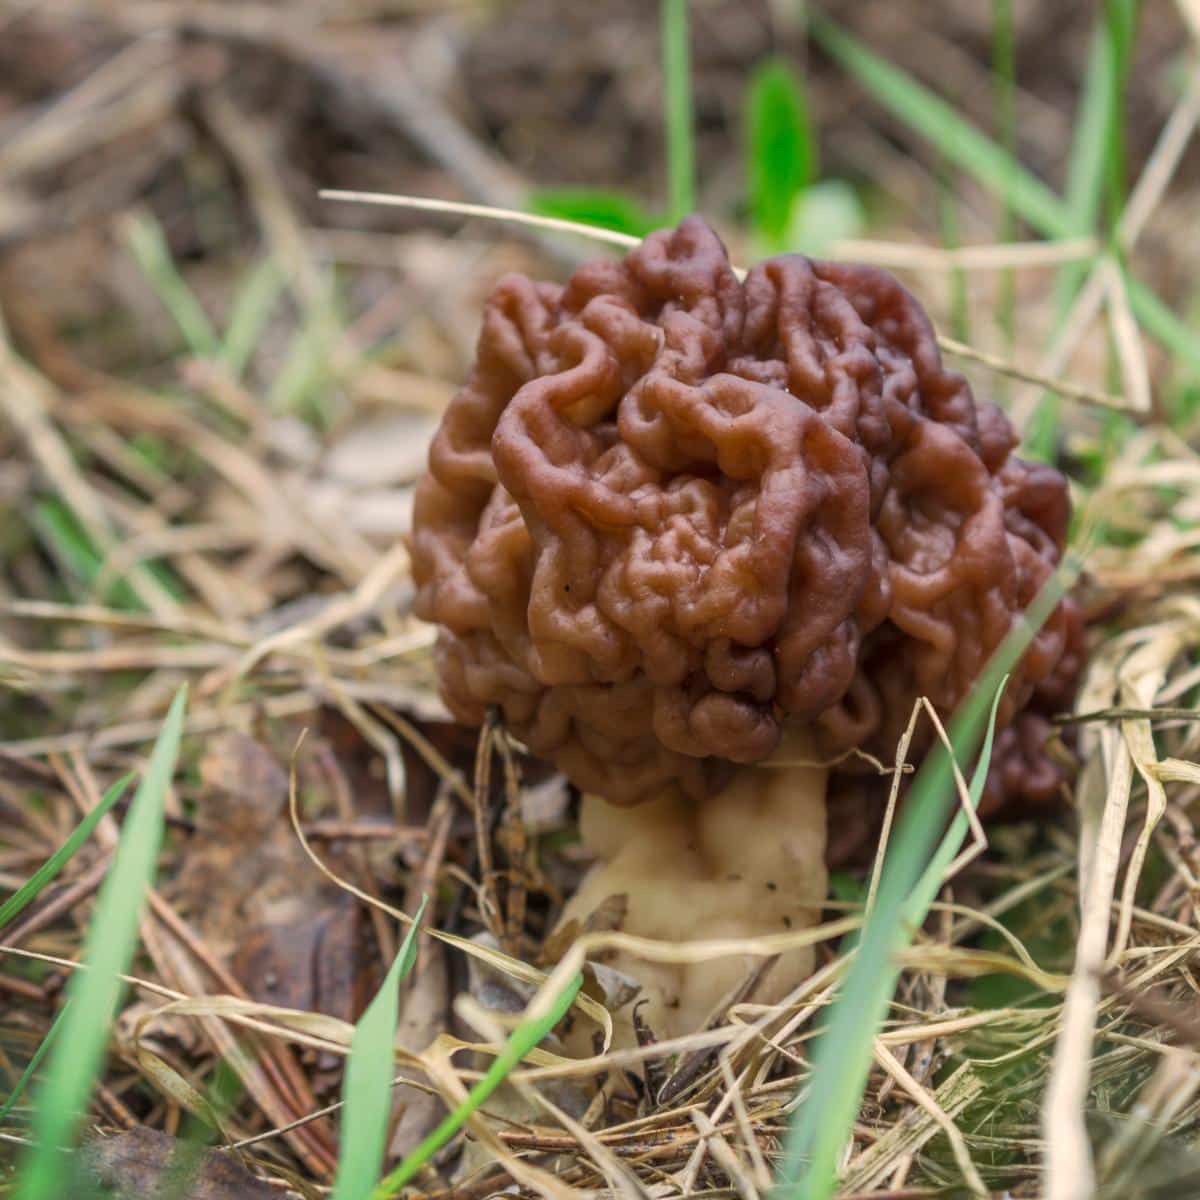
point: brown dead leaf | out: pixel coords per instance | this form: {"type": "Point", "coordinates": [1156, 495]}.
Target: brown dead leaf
{"type": "Point", "coordinates": [291, 937]}
{"type": "Point", "coordinates": [312, 962]}
{"type": "Point", "coordinates": [144, 1162]}
{"type": "Point", "coordinates": [243, 851]}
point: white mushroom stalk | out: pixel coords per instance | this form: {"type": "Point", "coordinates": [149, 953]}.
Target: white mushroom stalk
{"type": "Point", "coordinates": [745, 862]}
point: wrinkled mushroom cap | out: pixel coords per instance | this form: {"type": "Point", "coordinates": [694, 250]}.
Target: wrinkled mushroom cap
{"type": "Point", "coordinates": [672, 512]}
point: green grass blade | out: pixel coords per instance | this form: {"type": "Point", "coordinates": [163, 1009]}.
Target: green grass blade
{"type": "Point", "coordinates": [1085, 167]}
{"type": "Point", "coordinates": [94, 993]}
{"type": "Point", "coordinates": [843, 1054]}
{"type": "Point", "coordinates": [935, 120]}
{"type": "Point", "coordinates": [1084, 193]}
{"type": "Point", "coordinates": [930, 883]}
{"type": "Point", "coordinates": [1004, 74]}
{"type": "Point", "coordinates": [249, 313]}
{"type": "Point", "coordinates": [1094, 167]}
{"type": "Point", "coordinates": [368, 1085]}
{"type": "Point", "coordinates": [780, 149]}
{"type": "Point", "coordinates": [1182, 394]}
{"type": "Point", "coordinates": [30, 889]}
{"type": "Point", "coordinates": [595, 206]}
{"type": "Point", "coordinates": [1096, 164]}
{"type": "Point", "coordinates": [1161, 323]}
{"type": "Point", "coordinates": [524, 1038]}
{"type": "Point", "coordinates": [677, 101]}
{"type": "Point", "coordinates": [33, 1064]}
{"type": "Point", "coordinates": [306, 382]}
{"type": "Point", "coordinates": [153, 256]}
{"type": "Point", "coordinates": [1120, 20]}
{"type": "Point", "coordinates": [72, 549]}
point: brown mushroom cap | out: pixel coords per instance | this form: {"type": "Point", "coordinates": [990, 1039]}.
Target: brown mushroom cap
{"type": "Point", "coordinates": [672, 511]}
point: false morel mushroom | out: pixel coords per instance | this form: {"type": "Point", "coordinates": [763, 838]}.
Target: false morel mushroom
{"type": "Point", "coordinates": [703, 541]}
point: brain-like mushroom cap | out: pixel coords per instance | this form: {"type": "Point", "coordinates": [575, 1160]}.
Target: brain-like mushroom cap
{"type": "Point", "coordinates": [672, 511]}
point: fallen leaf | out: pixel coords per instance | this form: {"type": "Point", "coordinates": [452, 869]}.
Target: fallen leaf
{"type": "Point", "coordinates": [144, 1162]}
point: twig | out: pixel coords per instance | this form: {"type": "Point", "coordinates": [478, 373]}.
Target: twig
{"type": "Point", "coordinates": [1073, 391]}
{"type": "Point", "coordinates": [1127, 714]}
{"type": "Point", "coordinates": [516, 215]}
{"type": "Point", "coordinates": [1160, 167]}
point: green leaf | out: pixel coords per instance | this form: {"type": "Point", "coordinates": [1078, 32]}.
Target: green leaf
{"type": "Point", "coordinates": [367, 1089]}
{"type": "Point", "coordinates": [911, 876]}
{"type": "Point", "coordinates": [524, 1038]}
{"type": "Point", "coordinates": [30, 889]}
{"type": "Point", "coordinates": [595, 206]}
{"type": "Point", "coordinates": [780, 149]}
{"type": "Point", "coordinates": [95, 990]}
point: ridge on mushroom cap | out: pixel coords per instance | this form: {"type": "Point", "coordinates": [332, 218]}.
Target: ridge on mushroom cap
{"type": "Point", "coordinates": [671, 511]}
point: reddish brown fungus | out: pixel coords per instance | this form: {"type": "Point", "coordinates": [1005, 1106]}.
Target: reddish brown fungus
{"type": "Point", "coordinates": [676, 525]}
{"type": "Point", "coordinates": [671, 512]}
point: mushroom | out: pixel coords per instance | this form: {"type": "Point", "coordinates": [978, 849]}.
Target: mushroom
{"type": "Point", "coordinates": [703, 542]}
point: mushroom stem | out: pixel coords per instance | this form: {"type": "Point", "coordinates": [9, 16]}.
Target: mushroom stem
{"type": "Point", "coordinates": [746, 862]}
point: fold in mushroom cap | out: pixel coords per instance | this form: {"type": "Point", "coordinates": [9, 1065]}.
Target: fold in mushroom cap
{"type": "Point", "coordinates": [672, 511]}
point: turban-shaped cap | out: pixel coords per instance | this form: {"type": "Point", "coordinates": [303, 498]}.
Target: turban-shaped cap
{"type": "Point", "coordinates": [673, 511]}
